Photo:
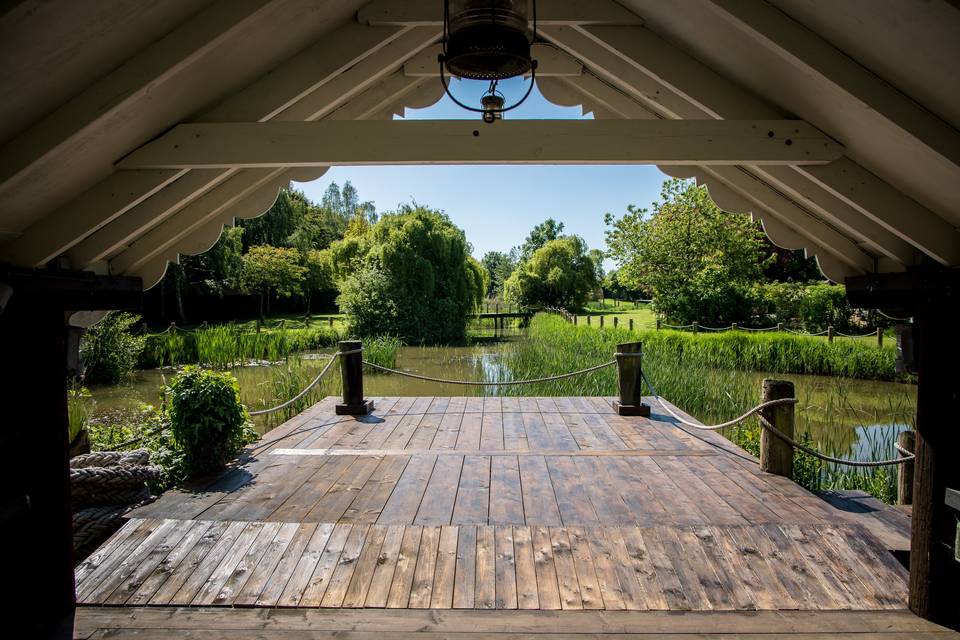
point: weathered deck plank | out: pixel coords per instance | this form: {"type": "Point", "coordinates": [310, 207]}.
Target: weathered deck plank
{"type": "Point", "coordinates": [556, 506]}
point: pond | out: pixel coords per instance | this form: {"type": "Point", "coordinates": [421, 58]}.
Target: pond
{"type": "Point", "coordinates": [857, 419]}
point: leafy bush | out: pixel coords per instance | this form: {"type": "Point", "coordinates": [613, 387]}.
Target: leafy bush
{"type": "Point", "coordinates": [812, 307]}
{"type": "Point", "coordinates": [409, 275]}
{"type": "Point", "coordinates": [109, 351]}
{"type": "Point", "coordinates": [560, 273]}
{"type": "Point", "coordinates": [207, 420]}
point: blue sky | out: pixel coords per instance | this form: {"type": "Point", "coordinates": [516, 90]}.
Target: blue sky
{"type": "Point", "coordinates": [498, 205]}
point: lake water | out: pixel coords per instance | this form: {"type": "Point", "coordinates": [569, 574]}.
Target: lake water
{"type": "Point", "coordinates": [851, 418]}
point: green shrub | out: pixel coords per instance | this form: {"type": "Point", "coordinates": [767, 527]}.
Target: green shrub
{"type": "Point", "coordinates": [208, 422]}
{"type": "Point", "coordinates": [109, 351]}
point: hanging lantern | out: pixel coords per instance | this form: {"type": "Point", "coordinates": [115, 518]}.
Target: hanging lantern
{"type": "Point", "coordinates": [488, 40]}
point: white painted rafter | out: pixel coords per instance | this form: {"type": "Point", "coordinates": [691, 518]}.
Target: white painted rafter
{"type": "Point", "coordinates": [309, 85]}
{"type": "Point", "coordinates": [132, 80]}
{"type": "Point", "coordinates": [677, 85]}
{"type": "Point", "coordinates": [809, 53]}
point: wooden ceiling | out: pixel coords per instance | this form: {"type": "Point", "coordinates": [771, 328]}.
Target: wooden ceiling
{"type": "Point", "coordinates": [87, 84]}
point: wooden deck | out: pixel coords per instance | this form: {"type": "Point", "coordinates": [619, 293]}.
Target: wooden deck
{"type": "Point", "coordinates": [555, 508]}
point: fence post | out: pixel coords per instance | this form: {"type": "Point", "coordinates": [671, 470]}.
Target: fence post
{"type": "Point", "coordinates": [779, 326]}
{"type": "Point", "coordinates": [696, 327]}
{"type": "Point", "coordinates": [588, 320]}
{"type": "Point", "coordinates": [351, 373]}
{"type": "Point", "coordinates": [630, 322]}
{"type": "Point", "coordinates": [776, 456]}
{"type": "Point", "coordinates": [330, 321]}
{"type": "Point", "coordinates": [733, 327]}
{"type": "Point", "coordinates": [907, 440]}
{"type": "Point", "coordinates": [879, 338]}
{"type": "Point", "coordinates": [574, 320]}
{"type": "Point", "coordinates": [630, 381]}
{"type": "Point", "coordinates": [658, 324]}
{"type": "Point", "coordinates": [614, 322]}
{"type": "Point", "coordinates": [830, 333]}
{"type": "Point", "coordinates": [258, 325]}
{"type": "Point", "coordinates": [601, 322]}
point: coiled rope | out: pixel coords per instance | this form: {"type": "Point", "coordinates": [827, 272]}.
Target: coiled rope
{"type": "Point", "coordinates": [907, 456]}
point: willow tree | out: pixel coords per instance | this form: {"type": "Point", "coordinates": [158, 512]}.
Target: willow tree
{"type": "Point", "coordinates": [409, 275]}
{"type": "Point", "coordinates": [560, 273]}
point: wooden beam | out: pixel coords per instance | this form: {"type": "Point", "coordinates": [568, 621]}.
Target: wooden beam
{"type": "Point", "coordinates": [549, 12]}
{"type": "Point", "coordinates": [804, 49]}
{"type": "Point", "coordinates": [676, 85]}
{"type": "Point", "coordinates": [292, 144]}
{"type": "Point", "coordinates": [309, 85]}
{"type": "Point", "coordinates": [135, 77]}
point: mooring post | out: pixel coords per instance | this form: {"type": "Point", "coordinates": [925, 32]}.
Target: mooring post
{"type": "Point", "coordinates": [776, 456]}
{"type": "Point", "coordinates": [630, 380]}
{"type": "Point", "coordinates": [879, 338]}
{"type": "Point", "coordinates": [830, 333]}
{"type": "Point", "coordinates": [351, 373]}
{"type": "Point", "coordinates": [907, 441]}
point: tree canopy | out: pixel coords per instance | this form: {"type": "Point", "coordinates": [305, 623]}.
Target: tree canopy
{"type": "Point", "coordinates": [560, 273]}
{"type": "Point", "coordinates": [409, 275]}
{"type": "Point", "coordinates": [499, 266]}
{"type": "Point", "coordinates": [697, 261]}
{"type": "Point", "coordinates": [541, 234]}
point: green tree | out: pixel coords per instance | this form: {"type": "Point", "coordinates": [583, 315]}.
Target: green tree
{"type": "Point", "coordinates": [499, 266]}
{"type": "Point", "coordinates": [272, 270]}
{"type": "Point", "coordinates": [560, 273]}
{"type": "Point", "coordinates": [409, 275]}
{"type": "Point", "coordinates": [541, 234]}
{"type": "Point", "coordinates": [318, 274]}
{"type": "Point", "coordinates": [697, 261]}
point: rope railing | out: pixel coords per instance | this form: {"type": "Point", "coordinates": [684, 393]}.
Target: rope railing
{"type": "Point", "coordinates": [482, 383]}
{"type": "Point", "coordinates": [764, 423]}
{"type": "Point", "coordinates": [305, 391]}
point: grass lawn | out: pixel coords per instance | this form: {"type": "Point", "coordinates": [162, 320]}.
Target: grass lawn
{"type": "Point", "coordinates": [641, 314]}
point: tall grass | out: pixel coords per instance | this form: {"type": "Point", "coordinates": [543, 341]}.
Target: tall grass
{"type": "Point", "coordinates": [225, 346]}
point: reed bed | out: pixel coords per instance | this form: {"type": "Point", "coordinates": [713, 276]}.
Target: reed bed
{"type": "Point", "coordinates": [228, 345]}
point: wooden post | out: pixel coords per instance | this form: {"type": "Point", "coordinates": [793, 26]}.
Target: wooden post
{"type": "Point", "coordinates": [258, 324]}
{"type": "Point", "coordinates": [588, 321]}
{"type": "Point", "coordinates": [733, 326]}
{"type": "Point", "coordinates": [631, 324]}
{"type": "Point", "coordinates": [601, 322]}
{"type": "Point", "coordinates": [907, 440]}
{"type": "Point", "coordinates": [776, 456]}
{"type": "Point", "coordinates": [630, 381]}
{"type": "Point", "coordinates": [830, 333]}
{"type": "Point", "coordinates": [574, 320]}
{"type": "Point", "coordinates": [351, 373]}
{"type": "Point", "coordinates": [879, 338]}
{"type": "Point", "coordinates": [696, 328]}
{"type": "Point", "coordinates": [614, 322]}
{"type": "Point", "coordinates": [779, 326]}
{"type": "Point", "coordinates": [658, 324]}
{"type": "Point", "coordinates": [330, 321]}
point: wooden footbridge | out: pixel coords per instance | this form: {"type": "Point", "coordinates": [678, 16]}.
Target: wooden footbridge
{"type": "Point", "coordinates": [470, 517]}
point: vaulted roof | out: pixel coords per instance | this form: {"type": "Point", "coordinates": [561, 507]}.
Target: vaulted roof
{"type": "Point", "coordinates": [86, 84]}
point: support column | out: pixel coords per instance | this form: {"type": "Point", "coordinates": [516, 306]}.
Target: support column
{"type": "Point", "coordinates": [934, 573]}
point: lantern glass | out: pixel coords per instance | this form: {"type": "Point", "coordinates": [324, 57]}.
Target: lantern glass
{"type": "Point", "coordinates": [488, 39]}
